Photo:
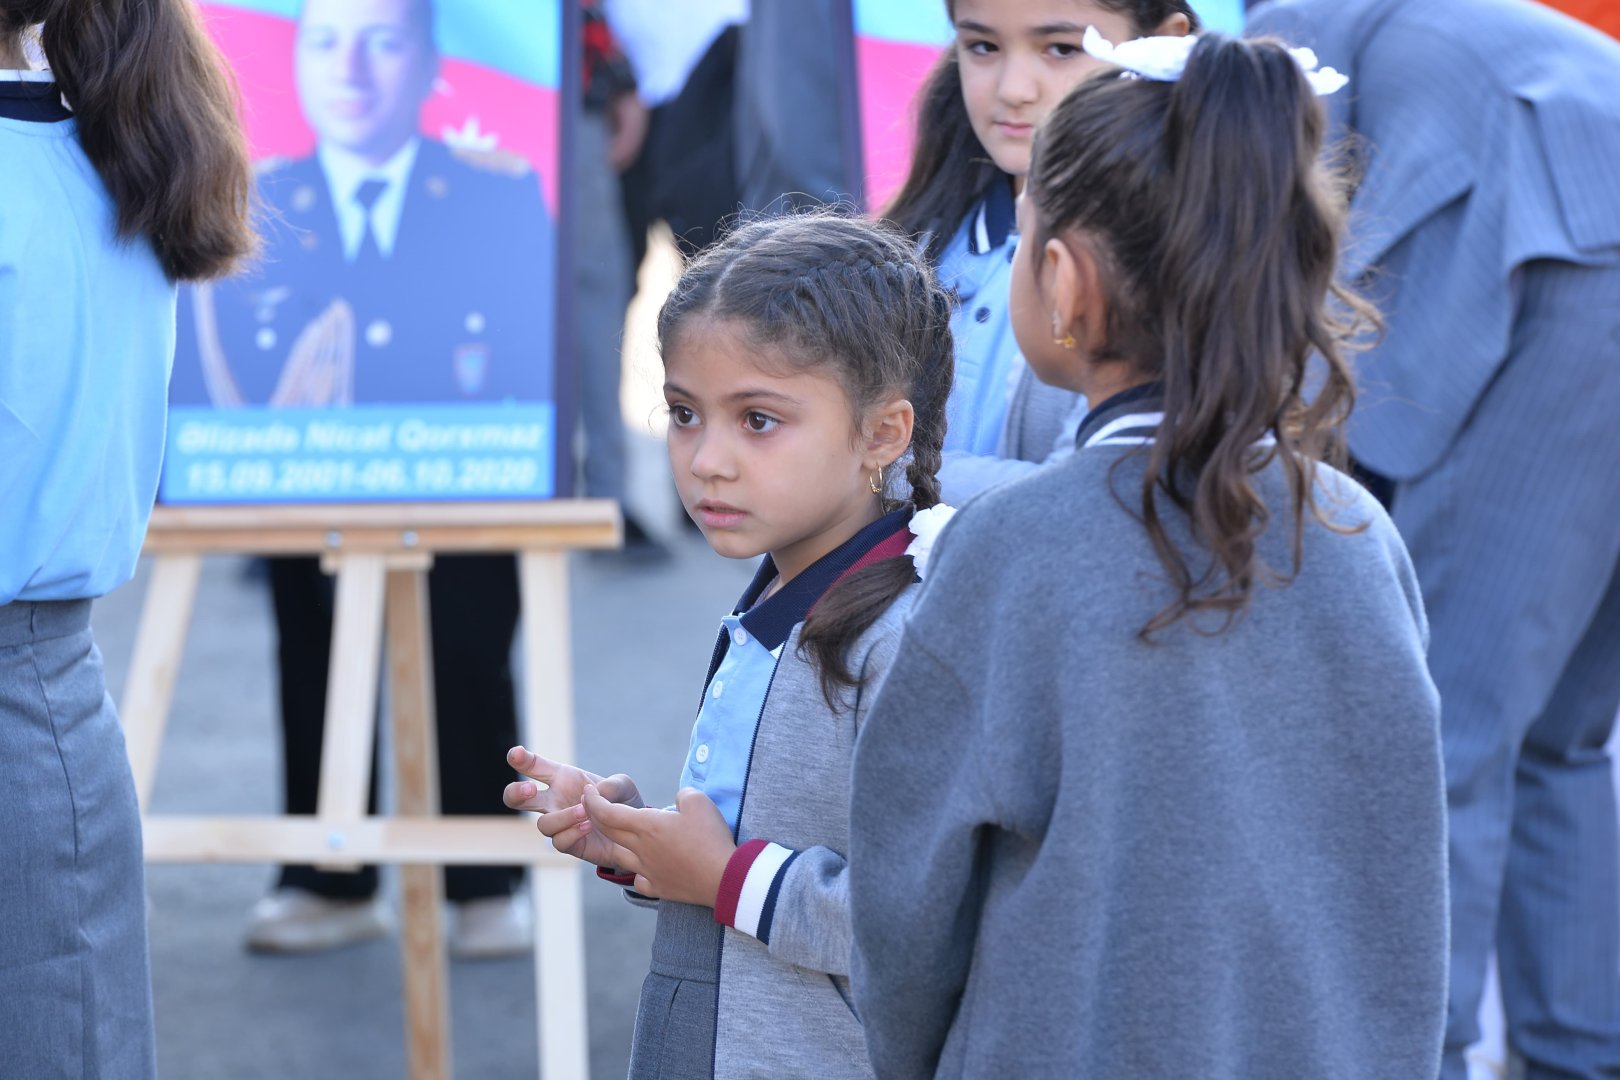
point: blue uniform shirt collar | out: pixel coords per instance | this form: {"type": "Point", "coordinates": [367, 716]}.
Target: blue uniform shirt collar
{"type": "Point", "coordinates": [996, 218]}
{"type": "Point", "coordinates": [771, 621]}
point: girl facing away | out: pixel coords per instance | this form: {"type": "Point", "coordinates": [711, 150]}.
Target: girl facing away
{"type": "Point", "coordinates": [803, 357]}
{"type": "Point", "coordinates": [977, 113]}
{"type": "Point", "coordinates": [123, 170]}
{"type": "Point", "coordinates": [1153, 786]}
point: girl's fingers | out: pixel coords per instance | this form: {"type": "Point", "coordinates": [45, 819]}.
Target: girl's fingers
{"type": "Point", "coordinates": [523, 795]}
{"type": "Point", "coordinates": [532, 765]}
{"type": "Point", "coordinates": [570, 818]}
{"type": "Point", "coordinates": [622, 858]}
{"type": "Point", "coordinates": [568, 840]}
{"type": "Point", "coordinates": [617, 821]}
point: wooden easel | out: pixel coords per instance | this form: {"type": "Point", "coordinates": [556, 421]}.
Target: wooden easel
{"type": "Point", "coordinates": [380, 555]}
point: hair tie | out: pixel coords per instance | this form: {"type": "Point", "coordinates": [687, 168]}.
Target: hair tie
{"type": "Point", "coordinates": [1164, 59]}
{"type": "Point", "coordinates": [925, 526]}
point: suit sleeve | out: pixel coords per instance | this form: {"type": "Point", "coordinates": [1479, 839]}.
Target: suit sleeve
{"type": "Point", "coordinates": [921, 811]}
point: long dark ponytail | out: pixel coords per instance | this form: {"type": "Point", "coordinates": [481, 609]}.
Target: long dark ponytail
{"type": "Point", "coordinates": [156, 113]}
{"type": "Point", "coordinates": [832, 293]}
{"type": "Point", "coordinates": [1219, 226]}
{"type": "Point", "coordinates": [950, 169]}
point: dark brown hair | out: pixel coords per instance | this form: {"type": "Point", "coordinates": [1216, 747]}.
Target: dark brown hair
{"type": "Point", "coordinates": [950, 168]}
{"type": "Point", "coordinates": [156, 113]}
{"type": "Point", "coordinates": [852, 298]}
{"type": "Point", "coordinates": [1217, 225]}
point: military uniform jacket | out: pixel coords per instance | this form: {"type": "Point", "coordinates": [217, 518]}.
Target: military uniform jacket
{"type": "Point", "coordinates": [461, 310]}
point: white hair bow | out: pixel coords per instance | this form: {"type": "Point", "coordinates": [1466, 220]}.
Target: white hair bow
{"type": "Point", "coordinates": [1163, 59]}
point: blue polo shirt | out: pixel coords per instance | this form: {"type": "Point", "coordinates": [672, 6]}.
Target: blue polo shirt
{"type": "Point", "coordinates": [86, 341]}
{"type": "Point", "coordinates": [745, 656]}
{"type": "Point", "coordinates": [977, 267]}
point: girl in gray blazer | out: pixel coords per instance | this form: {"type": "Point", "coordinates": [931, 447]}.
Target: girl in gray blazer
{"type": "Point", "coordinates": [803, 357]}
{"type": "Point", "coordinates": [1153, 786]}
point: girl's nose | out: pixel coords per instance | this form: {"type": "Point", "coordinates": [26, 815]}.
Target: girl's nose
{"type": "Point", "coordinates": [1019, 83]}
{"type": "Point", "coordinates": [713, 458]}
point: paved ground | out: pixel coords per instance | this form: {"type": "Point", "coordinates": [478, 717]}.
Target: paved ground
{"type": "Point", "coordinates": [642, 637]}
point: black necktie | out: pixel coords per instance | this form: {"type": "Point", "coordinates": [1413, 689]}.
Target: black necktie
{"type": "Point", "coordinates": [370, 254]}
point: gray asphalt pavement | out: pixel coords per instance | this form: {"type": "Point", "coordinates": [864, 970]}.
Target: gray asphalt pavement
{"type": "Point", "coordinates": [642, 637]}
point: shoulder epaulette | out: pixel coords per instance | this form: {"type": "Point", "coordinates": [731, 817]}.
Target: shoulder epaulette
{"type": "Point", "coordinates": [503, 162]}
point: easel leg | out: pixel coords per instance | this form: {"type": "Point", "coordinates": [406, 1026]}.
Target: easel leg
{"type": "Point", "coordinates": [159, 642]}
{"type": "Point", "coordinates": [351, 695]}
{"type": "Point", "coordinates": [416, 771]}
{"type": "Point", "coordinates": [548, 717]}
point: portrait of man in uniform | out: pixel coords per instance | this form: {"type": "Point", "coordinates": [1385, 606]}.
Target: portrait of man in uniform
{"type": "Point", "coordinates": [396, 268]}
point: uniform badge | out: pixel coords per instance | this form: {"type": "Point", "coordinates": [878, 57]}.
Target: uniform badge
{"type": "Point", "coordinates": [438, 186]}
{"type": "Point", "coordinates": [471, 365]}
{"type": "Point", "coordinates": [303, 199]}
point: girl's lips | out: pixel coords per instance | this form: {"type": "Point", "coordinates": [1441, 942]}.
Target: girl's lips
{"type": "Point", "coordinates": [1017, 131]}
{"type": "Point", "coordinates": [719, 515]}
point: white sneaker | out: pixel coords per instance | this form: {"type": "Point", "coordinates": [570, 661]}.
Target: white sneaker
{"type": "Point", "coordinates": [491, 927]}
{"type": "Point", "coordinates": [292, 920]}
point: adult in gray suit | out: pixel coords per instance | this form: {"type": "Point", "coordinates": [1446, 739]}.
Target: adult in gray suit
{"type": "Point", "coordinates": [1489, 227]}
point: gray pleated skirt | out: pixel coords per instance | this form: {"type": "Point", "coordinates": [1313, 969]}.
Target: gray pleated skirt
{"type": "Point", "coordinates": [674, 1037]}
{"type": "Point", "coordinates": [75, 988]}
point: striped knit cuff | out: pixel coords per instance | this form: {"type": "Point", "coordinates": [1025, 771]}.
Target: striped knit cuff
{"type": "Point", "coordinates": [750, 885]}
{"type": "Point", "coordinates": [618, 877]}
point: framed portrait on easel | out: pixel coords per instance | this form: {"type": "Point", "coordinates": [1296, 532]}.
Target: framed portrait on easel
{"type": "Point", "coordinates": [398, 338]}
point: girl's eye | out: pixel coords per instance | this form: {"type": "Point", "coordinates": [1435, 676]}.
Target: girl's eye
{"type": "Point", "coordinates": [1063, 51]}
{"type": "Point", "coordinates": [759, 423]}
{"type": "Point", "coordinates": [682, 416]}
{"type": "Point", "coordinates": [979, 48]}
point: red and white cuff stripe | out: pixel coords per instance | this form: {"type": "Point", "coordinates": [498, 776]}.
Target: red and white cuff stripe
{"type": "Point", "coordinates": [750, 886]}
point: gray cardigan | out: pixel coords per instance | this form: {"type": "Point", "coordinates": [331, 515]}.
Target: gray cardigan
{"type": "Point", "coordinates": [783, 1009]}
{"type": "Point", "coordinates": [1221, 856]}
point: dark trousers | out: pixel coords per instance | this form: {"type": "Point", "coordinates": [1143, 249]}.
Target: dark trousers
{"type": "Point", "coordinates": [473, 601]}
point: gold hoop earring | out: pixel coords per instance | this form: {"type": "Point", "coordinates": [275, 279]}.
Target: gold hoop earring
{"type": "Point", "coordinates": [1067, 340]}
{"type": "Point", "coordinates": [875, 481]}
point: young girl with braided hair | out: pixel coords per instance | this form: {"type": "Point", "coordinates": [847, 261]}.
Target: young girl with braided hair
{"type": "Point", "coordinates": [1153, 787]}
{"type": "Point", "coordinates": [803, 356]}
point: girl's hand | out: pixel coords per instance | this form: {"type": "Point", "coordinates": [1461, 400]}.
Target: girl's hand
{"type": "Point", "coordinates": [562, 818]}
{"type": "Point", "coordinates": [678, 854]}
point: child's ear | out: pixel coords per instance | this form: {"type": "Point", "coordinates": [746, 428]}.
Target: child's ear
{"type": "Point", "coordinates": [1177, 25]}
{"type": "Point", "coordinates": [888, 431]}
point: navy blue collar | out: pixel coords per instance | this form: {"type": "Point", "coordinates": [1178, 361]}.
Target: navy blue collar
{"type": "Point", "coordinates": [36, 102]}
{"type": "Point", "coordinates": [993, 221]}
{"type": "Point", "coordinates": [1149, 397]}
{"type": "Point", "coordinates": [771, 621]}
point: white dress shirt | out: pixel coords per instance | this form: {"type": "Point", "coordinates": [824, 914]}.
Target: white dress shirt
{"type": "Point", "coordinates": [345, 173]}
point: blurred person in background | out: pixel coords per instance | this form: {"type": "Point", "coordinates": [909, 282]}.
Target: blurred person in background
{"type": "Point", "coordinates": [610, 134]}
{"type": "Point", "coordinates": [1488, 143]}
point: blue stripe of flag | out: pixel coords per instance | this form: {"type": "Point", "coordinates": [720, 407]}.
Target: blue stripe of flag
{"type": "Point", "coordinates": [522, 38]}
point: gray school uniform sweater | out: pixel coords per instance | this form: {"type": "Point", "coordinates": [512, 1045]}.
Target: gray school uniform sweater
{"type": "Point", "coordinates": [1219, 856]}
{"type": "Point", "coordinates": [776, 1002]}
